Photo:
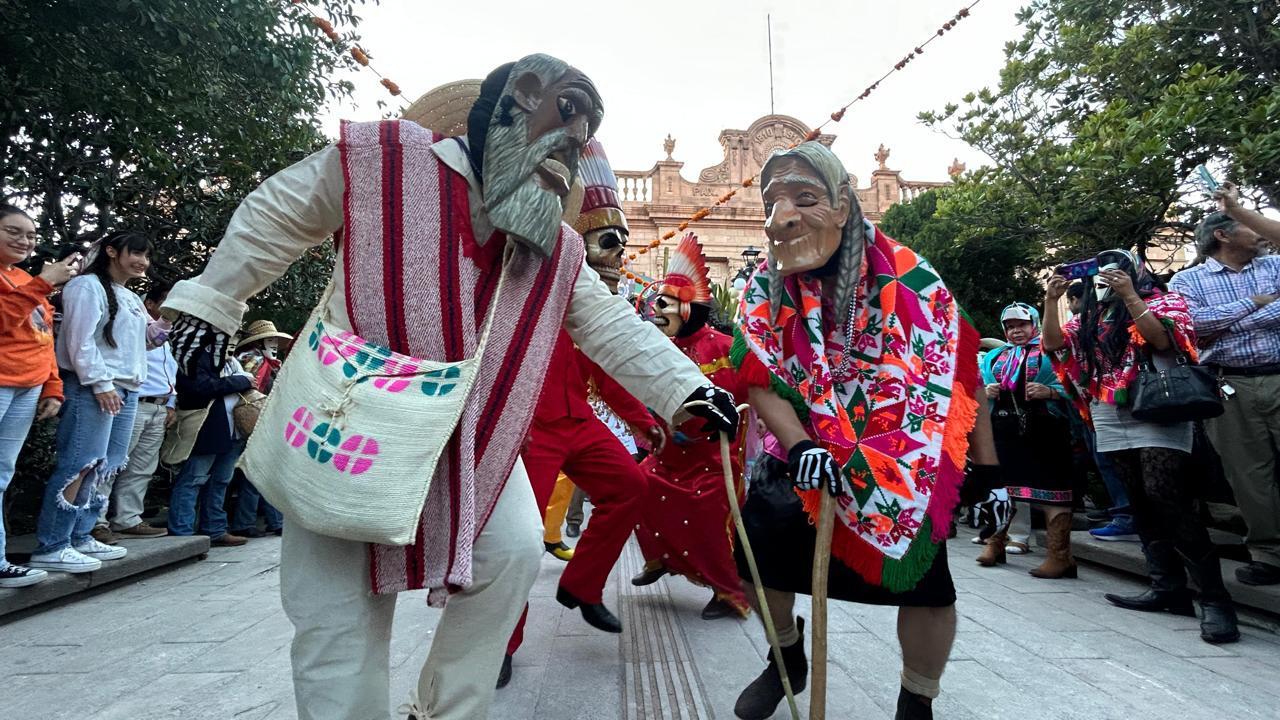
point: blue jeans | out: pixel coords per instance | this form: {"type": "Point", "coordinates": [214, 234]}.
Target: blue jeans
{"type": "Point", "coordinates": [91, 443]}
{"type": "Point", "coordinates": [1115, 486]}
{"type": "Point", "coordinates": [203, 480]}
{"type": "Point", "coordinates": [246, 515]}
{"type": "Point", "coordinates": [17, 412]}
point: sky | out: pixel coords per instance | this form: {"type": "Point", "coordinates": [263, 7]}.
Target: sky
{"type": "Point", "coordinates": [697, 67]}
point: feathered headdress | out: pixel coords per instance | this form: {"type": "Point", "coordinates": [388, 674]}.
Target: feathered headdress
{"type": "Point", "coordinates": [601, 206]}
{"type": "Point", "coordinates": [686, 278]}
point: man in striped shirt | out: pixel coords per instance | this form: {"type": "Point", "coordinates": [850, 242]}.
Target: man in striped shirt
{"type": "Point", "coordinates": [1232, 298]}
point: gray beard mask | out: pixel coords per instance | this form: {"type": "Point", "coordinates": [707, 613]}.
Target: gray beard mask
{"type": "Point", "coordinates": [515, 202]}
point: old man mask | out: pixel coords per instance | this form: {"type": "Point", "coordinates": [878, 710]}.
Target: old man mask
{"type": "Point", "coordinates": [526, 133]}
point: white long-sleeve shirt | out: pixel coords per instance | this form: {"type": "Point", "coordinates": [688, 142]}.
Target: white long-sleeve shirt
{"type": "Point", "coordinates": [82, 345]}
{"type": "Point", "coordinates": [301, 206]}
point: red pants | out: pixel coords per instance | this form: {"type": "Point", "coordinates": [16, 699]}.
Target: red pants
{"type": "Point", "coordinates": [590, 454]}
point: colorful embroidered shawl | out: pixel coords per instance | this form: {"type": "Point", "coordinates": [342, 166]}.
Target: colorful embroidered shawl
{"type": "Point", "coordinates": [419, 283]}
{"type": "Point", "coordinates": [898, 425]}
{"type": "Point", "coordinates": [1112, 387]}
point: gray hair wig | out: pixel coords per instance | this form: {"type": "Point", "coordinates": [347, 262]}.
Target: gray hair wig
{"type": "Point", "coordinates": [853, 238]}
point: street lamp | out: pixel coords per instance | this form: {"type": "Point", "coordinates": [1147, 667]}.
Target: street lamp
{"type": "Point", "coordinates": [749, 255]}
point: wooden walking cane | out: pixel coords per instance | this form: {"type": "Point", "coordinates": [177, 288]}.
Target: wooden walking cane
{"type": "Point", "coordinates": [769, 630]}
{"type": "Point", "coordinates": [821, 568]}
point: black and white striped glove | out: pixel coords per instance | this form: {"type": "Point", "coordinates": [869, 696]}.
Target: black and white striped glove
{"type": "Point", "coordinates": [812, 467]}
{"type": "Point", "coordinates": [721, 415]}
{"type": "Point", "coordinates": [190, 335]}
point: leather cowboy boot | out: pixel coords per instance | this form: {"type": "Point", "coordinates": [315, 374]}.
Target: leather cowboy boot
{"type": "Point", "coordinates": [993, 553]}
{"type": "Point", "coordinates": [1058, 562]}
{"type": "Point", "coordinates": [1168, 592]}
{"type": "Point", "coordinates": [761, 697]}
{"type": "Point", "coordinates": [1217, 613]}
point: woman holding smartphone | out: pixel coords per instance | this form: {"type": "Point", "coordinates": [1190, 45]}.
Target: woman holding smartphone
{"type": "Point", "coordinates": [101, 352]}
{"type": "Point", "coordinates": [30, 389]}
{"type": "Point", "coordinates": [1127, 314]}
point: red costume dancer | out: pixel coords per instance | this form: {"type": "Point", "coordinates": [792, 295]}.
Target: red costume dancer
{"type": "Point", "coordinates": [684, 523]}
{"type": "Point", "coordinates": [568, 437]}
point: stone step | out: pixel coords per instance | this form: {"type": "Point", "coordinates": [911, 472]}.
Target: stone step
{"type": "Point", "coordinates": [144, 555]}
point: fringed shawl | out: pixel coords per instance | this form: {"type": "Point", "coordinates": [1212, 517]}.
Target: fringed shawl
{"type": "Point", "coordinates": [898, 423]}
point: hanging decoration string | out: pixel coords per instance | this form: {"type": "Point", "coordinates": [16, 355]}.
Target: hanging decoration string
{"type": "Point", "coordinates": [813, 134]}
{"type": "Point", "coordinates": [356, 53]}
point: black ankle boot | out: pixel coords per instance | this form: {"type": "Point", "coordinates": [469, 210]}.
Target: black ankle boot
{"type": "Point", "coordinates": [596, 614]}
{"type": "Point", "coordinates": [913, 707]}
{"type": "Point", "coordinates": [761, 697]}
{"type": "Point", "coordinates": [1217, 613]}
{"type": "Point", "coordinates": [1178, 603]}
{"type": "Point", "coordinates": [1168, 591]}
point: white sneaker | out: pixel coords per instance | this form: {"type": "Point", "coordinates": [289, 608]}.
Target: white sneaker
{"type": "Point", "coordinates": [95, 549]}
{"type": "Point", "coordinates": [66, 560]}
{"type": "Point", "coordinates": [16, 576]}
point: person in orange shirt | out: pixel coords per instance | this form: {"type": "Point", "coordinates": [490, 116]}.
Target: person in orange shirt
{"type": "Point", "coordinates": [30, 389]}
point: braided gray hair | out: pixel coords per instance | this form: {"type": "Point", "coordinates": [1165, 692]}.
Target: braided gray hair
{"type": "Point", "coordinates": [853, 237]}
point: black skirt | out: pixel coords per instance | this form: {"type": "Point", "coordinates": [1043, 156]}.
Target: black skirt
{"type": "Point", "coordinates": [783, 541]}
{"type": "Point", "coordinates": [1034, 447]}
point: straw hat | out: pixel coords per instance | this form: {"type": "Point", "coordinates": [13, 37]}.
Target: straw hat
{"type": "Point", "coordinates": [260, 330]}
{"type": "Point", "coordinates": [445, 109]}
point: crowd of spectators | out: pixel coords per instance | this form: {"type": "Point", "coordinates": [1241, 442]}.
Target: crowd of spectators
{"type": "Point", "coordinates": [104, 368]}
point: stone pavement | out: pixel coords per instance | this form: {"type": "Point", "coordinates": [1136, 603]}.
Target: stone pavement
{"type": "Point", "coordinates": [208, 641]}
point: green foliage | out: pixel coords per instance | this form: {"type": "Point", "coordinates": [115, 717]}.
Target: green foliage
{"type": "Point", "coordinates": [985, 268]}
{"type": "Point", "coordinates": [1103, 110]}
{"type": "Point", "coordinates": [159, 115]}
{"type": "Point", "coordinates": [724, 304]}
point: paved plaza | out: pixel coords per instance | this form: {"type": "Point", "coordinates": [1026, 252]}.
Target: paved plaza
{"type": "Point", "coordinates": [208, 641]}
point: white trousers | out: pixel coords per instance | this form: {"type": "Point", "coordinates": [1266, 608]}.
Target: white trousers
{"type": "Point", "coordinates": [342, 632]}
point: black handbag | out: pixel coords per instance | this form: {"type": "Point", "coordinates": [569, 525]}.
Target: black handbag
{"type": "Point", "coordinates": [1184, 392]}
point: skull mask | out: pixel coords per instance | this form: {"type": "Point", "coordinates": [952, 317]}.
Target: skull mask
{"type": "Point", "coordinates": [601, 222]}
{"type": "Point", "coordinates": [605, 248]}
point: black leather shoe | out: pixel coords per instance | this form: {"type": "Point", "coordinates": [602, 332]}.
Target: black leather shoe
{"type": "Point", "coordinates": [253, 533]}
{"type": "Point", "coordinates": [717, 609]}
{"type": "Point", "coordinates": [649, 577]}
{"type": "Point", "coordinates": [596, 615]}
{"type": "Point", "coordinates": [504, 675]}
{"type": "Point", "coordinates": [1258, 573]}
{"type": "Point", "coordinates": [913, 707]}
{"type": "Point", "coordinates": [1177, 603]}
{"type": "Point", "coordinates": [1218, 623]}
{"type": "Point", "coordinates": [761, 697]}
{"type": "Point", "coordinates": [572, 529]}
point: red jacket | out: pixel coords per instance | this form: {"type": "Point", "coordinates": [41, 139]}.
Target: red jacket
{"type": "Point", "coordinates": [564, 391]}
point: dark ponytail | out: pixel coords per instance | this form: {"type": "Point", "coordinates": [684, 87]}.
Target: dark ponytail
{"type": "Point", "coordinates": [6, 210]}
{"type": "Point", "coordinates": [123, 242]}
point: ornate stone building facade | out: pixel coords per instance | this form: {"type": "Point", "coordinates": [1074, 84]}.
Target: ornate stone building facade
{"type": "Point", "coordinates": [659, 199]}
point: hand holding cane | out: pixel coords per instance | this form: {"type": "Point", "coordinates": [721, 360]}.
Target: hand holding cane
{"type": "Point", "coordinates": [813, 468]}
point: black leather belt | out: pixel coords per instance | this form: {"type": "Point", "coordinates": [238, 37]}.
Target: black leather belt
{"type": "Point", "coordinates": [161, 400]}
{"type": "Point", "coordinates": [1255, 371]}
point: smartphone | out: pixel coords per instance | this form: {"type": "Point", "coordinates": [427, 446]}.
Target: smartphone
{"type": "Point", "coordinates": [1207, 179]}
{"type": "Point", "coordinates": [1077, 270]}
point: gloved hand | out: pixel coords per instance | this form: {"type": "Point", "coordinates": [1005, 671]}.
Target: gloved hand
{"type": "Point", "coordinates": [190, 335]}
{"type": "Point", "coordinates": [721, 416]}
{"type": "Point", "coordinates": [812, 467]}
